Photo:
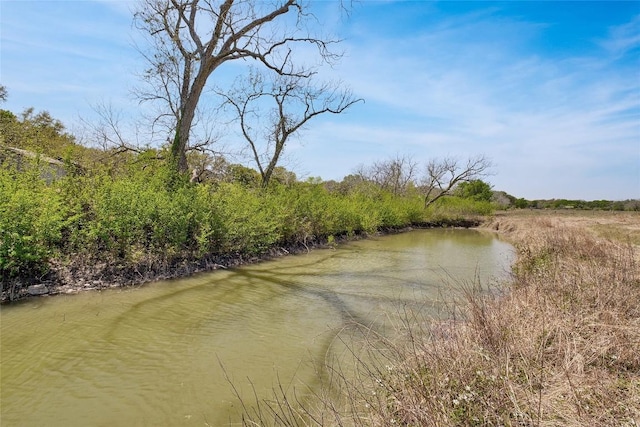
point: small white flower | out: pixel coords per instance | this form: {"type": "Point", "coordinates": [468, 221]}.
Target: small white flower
{"type": "Point", "coordinates": [456, 402]}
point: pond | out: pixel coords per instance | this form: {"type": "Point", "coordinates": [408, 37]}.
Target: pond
{"type": "Point", "coordinates": [172, 352]}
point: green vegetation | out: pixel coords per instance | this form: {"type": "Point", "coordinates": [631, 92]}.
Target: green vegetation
{"type": "Point", "coordinates": [475, 189]}
{"type": "Point", "coordinates": [145, 217]}
{"type": "Point", "coordinates": [41, 134]}
{"type": "Point", "coordinates": [69, 208]}
{"type": "Point", "coordinates": [32, 216]}
{"type": "Point", "coordinates": [606, 205]}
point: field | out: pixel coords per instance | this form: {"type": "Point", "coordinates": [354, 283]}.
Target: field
{"type": "Point", "coordinates": [623, 227]}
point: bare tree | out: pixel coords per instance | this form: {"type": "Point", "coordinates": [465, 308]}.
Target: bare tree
{"type": "Point", "coordinates": [394, 174]}
{"type": "Point", "coordinates": [270, 111]}
{"type": "Point", "coordinates": [190, 39]}
{"type": "Point", "coordinates": [442, 176]}
{"type": "Point", "coordinates": [109, 131]}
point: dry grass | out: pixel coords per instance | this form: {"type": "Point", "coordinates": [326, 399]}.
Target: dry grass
{"type": "Point", "coordinates": [560, 348]}
{"type": "Point", "coordinates": [623, 227]}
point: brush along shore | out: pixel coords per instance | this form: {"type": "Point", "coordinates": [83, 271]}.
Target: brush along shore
{"type": "Point", "coordinates": [80, 275]}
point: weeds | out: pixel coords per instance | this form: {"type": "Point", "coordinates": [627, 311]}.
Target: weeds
{"type": "Point", "coordinates": [560, 348]}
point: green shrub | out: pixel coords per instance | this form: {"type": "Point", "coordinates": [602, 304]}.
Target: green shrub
{"type": "Point", "coordinates": [32, 216]}
{"type": "Point", "coordinates": [207, 227]}
{"type": "Point", "coordinates": [251, 220]}
{"type": "Point", "coordinates": [455, 208]}
{"type": "Point", "coordinates": [129, 217]}
{"type": "Point", "coordinates": [150, 213]}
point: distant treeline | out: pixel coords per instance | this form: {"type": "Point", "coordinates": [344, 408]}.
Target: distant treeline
{"type": "Point", "coordinates": [605, 205]}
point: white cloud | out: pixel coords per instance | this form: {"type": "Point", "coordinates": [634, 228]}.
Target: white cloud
{"type": "Point", "coordinates": [623, 38]}
{"type": "Point", "coordinates": [568, 117]}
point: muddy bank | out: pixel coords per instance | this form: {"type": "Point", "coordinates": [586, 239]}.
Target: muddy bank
{"type": "Point", "coordinates": [79, 275]}
{"type": "Point", "coordinates": [86, 275]}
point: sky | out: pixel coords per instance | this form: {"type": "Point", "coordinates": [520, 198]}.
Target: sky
{"type": "Point", "coordinates": [548, 91]}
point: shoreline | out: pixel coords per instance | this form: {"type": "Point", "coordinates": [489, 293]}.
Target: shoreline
{"type": "Point", "coordinates": [89, 275]}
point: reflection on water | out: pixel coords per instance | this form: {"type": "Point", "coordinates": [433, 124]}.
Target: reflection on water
{"type": "Point", "coordinates": [164, 354]}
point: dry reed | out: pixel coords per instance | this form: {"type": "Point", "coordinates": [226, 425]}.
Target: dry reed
{"type": "Point", "coordinates": [560, 348]}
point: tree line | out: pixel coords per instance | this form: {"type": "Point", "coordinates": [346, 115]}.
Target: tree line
{"type": "Point", "coordinates": [70, 212]}
{"type": "Point", "coordinates": [603, 205]}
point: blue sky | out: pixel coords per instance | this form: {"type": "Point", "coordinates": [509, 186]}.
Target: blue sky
{"type": "Point", "coordinates": [549, 91]}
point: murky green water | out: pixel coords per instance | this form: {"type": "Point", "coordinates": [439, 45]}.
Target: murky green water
{"type": "Point", "coordinates": [166, 354]}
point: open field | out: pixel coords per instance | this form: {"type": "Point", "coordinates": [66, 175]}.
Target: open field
{"type": "Point", "coordinates": [623, 227]}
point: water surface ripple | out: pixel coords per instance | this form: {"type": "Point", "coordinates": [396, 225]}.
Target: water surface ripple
{"type": "Point", "coordinates": [163, 354]}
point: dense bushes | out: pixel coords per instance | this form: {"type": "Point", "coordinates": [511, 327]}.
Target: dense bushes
{"type": "Point", "coordinates": [250, 223]}
{"type": "Point", "coordinates": [32, 216]}
{"type": "Point", "coordinates": [148, 215]}
{"type": "Point", "coordinates": [454, 208]}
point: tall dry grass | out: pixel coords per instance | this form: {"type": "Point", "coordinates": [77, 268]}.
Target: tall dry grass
{"type": "Point", "coordinates": [559, 347]}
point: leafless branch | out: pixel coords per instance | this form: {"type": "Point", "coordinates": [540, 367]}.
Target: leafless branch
{"type": "Point", "coordinates": [270, 111]}
{"type": "Point", "coordinates": [190, 39]}
{"type": "Point", "coordinates": [441, 176]}
{"type": "Point", "coordinates": [395, 174]}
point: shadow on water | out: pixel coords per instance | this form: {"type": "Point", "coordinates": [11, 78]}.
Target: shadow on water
{"type": "Point", "coordinates": [153, 355]}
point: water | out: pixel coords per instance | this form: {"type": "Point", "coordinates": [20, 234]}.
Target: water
{"type": "Point", "coordinates": [168, 353]}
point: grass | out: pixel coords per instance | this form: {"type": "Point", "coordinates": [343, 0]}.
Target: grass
{"type": "Point", "coordinates": [561, 347]}
{"type": "Point", "coordinates": [618, 232]}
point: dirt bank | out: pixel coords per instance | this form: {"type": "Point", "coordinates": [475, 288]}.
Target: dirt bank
{"type": "Point", "coordinates": [79, 275]}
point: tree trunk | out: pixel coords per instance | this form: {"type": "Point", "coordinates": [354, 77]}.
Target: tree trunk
{"type": "Point", "coordinates": [180, 143]}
